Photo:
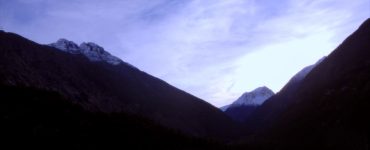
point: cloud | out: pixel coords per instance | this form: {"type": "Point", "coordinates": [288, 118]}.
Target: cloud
{"type": "Point", "coordinates": [214, 49]}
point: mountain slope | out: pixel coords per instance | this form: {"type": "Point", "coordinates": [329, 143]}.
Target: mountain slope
{"type": "Point", "coordinates": [304, 72]}
{"type": "Point", "coordinates": [99, 86]}
{"type": "Point", "coordinates": [29, 112]}
{"type": "Point", "coordinates": [245, 105]}
{"type": "Point", "coordinates": [331, 106]}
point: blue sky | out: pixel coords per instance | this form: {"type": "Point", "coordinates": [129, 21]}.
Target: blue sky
{"type": "Point", "coordinates": [213, 49]}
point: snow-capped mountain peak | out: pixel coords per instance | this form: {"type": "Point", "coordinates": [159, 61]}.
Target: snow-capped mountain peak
{"type": "Point", "coordinates": [255, 97]}
{"type": "Point", "coordinates": [97, 53]}
{"type": "Point", "coordinates": [66, 45]}
{"type": "Point", "coordinates": [91, 50]}
{"type": "Point", "coordinates": [90, 46]}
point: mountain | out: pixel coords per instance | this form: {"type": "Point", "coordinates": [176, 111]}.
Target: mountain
{"type": "Point", "coordinates": [91, 50]}
{"type": "Point", "coordinates": [90, 77]}
{"type": "Point", "coordinates": [256, 97]}
{"type": "Point", "coordinates": [245, 106]}
{"type": "Point", "coordinates": [241, 108]}
{"type": "Point", "coordinates": [329, 109]}
{"type": "Point", "coordinates": [47, 91]}
{"type": "Point", "coordinates": [282, 99]}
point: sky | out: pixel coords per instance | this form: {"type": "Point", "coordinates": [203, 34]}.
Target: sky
{"type": "Point", "coordinates": [213, 49]}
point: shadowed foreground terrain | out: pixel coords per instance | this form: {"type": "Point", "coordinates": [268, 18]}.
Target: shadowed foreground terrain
{"type": "Point", "coordinates": [28, 112]}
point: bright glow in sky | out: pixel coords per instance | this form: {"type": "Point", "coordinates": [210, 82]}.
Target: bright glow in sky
{"type": "Point", "coordinates": [213, 49]}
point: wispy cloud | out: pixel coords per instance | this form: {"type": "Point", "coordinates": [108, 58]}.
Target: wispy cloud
{"type": "Point", "coordinates": [214, 49]}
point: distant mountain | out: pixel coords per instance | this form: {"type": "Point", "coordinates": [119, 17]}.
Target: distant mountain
{"type": "Point", "coordinates": [290, 86]}
{"type": "Point", "coordinates": [255, 97]}
{"type": "Point", "coordinates": [241, 108]}
{"type": "Point", "coordinates": [328, 110]}
{"type": "Point", "coordinates": [89, 76]}
{"type": "Point", "coordinates": [282, 99]}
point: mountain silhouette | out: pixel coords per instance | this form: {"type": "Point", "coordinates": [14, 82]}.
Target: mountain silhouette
{"type": "Point", "coordinates": [99, 86]}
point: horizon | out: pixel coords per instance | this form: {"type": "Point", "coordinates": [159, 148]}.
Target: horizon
{"type": "Point", "coordinates": [215, 51]}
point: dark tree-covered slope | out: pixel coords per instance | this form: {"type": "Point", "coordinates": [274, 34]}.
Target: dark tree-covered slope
{"type": "Point", "coordinates": [29, 113]}
{"type": "Point", "coordinates": [102, 87]}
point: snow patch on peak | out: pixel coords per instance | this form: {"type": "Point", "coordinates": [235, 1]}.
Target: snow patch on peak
{"type": "Point", "coordinates": [90, 46]}
{"type": "Point", "coordinates": [66, 45]}
{"type": "Point", "coordinates": [254, 98]}
{"type": "Point", "coordinates": [91, 50]}
{"type": "Point", "coordinates": [97, 53]}
{"type": "Point", "coordinates": [262, 89]}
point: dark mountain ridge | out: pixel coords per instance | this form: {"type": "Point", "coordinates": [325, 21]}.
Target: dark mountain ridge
{"type": "Point", "coordinates": [101, 87]}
